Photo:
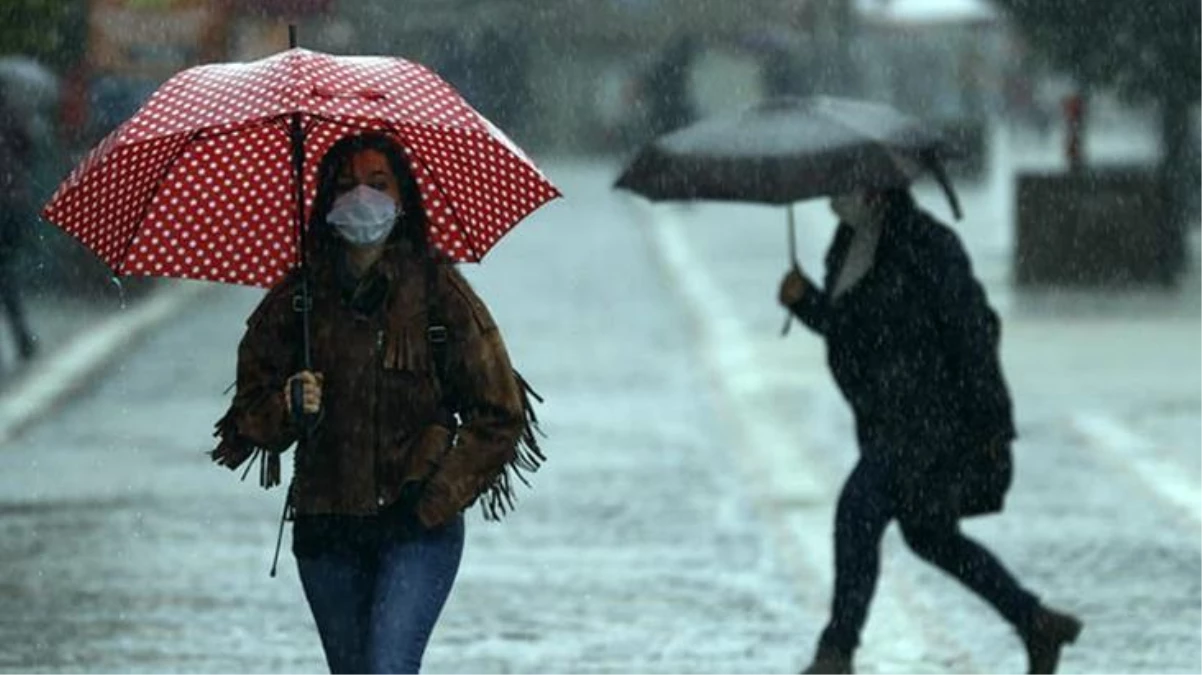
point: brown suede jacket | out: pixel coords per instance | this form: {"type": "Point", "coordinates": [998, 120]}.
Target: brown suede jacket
{"type": "Point", "coordinates": [379, 428]}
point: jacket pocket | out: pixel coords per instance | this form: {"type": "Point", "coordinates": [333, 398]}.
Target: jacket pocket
{"type": "Point", "coordinates": [424, 453]}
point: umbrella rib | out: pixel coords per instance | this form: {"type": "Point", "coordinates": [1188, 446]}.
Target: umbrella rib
{"type": "Point", "coordinates": [311, 118]}
{"type": "Point", "coordinates": [469, 235]}
{"type": "Point", "coordinates": [158, 185]}
{"type": "Point", "coordinates": [199, 134]}
{"type": "Point", "coordinates": [450, 204]}
{"type": "Point", "coordinates": [217, 131]}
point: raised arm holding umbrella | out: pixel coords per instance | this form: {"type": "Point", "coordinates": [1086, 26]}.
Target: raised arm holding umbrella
{"type": "Point", "coordinates": [346, 185]}
{"type": "Point", "coordinates": [785, 150]}
{"type": "Point", "coordinates": [911, 342]}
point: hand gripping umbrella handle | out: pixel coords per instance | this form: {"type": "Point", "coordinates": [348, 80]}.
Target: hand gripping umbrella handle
{"type": "Point", "coordinates": [304, 421]}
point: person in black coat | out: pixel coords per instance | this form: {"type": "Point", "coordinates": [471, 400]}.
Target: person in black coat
{"type": "Point", "coordinates": [665, 86]}
{"type": "Point", "coordinates": [913, 345]}
{"type": "Point", "coordinates": [16, 150]}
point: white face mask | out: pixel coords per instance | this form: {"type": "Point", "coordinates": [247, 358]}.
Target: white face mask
{"type": "Point", "coordinates": [363, 216]}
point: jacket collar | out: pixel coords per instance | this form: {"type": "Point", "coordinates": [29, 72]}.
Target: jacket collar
{"type": "Point", "coordinates": [899, 229]}
{"type": "Point", "coordinates": [398, 265]}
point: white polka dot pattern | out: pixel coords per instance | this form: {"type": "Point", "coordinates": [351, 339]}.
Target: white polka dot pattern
{"type": "Point", "coordinates": [198, 184]}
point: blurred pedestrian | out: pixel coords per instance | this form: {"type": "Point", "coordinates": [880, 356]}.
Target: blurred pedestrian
{"type": "Point", "coordinates": [502, 57]}
{"type": "Point", "coordinates": [404, 350]}
{"type": "Point", "coordinates": [16, 156]}
{"type": "Point", "coordinates": [913, 345]}
{"type": "Point", "coordinates": [665, 86]}
{"type": "Point", "coordinates": [784, 67]}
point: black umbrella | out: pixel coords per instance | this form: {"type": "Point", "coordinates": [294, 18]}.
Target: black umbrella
{"type": "Point", "coordinates": [785, 150]}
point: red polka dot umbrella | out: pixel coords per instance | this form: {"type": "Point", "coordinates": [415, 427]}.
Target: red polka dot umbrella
{"type": "Point", "coordinates": [201, 182]}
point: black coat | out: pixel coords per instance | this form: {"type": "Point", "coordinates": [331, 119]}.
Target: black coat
{"type": "Point", "coordinates": [914, 349]}
{"type": "Point", "coordinates": [16, 150]}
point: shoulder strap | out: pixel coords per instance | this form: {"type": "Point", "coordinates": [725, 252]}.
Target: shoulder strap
{"type": "Point", "coordinates": [437, 335]}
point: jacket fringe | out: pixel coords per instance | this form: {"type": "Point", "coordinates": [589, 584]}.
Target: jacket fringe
{"type": "Point", "coordinates": [234, 449]}
{"type": "Point", "coordinates": [406, 348]}
{"type": "Point", "coordinates": [498, 499]}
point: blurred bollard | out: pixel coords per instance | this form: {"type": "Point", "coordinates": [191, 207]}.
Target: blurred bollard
{"type": "Point", "coordinates": [1096, 227]}
{"type": "Point", "coordinates": [1074, 125]}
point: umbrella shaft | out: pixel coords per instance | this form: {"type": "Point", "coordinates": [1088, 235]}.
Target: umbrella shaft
{"type": "Point", "coordinates": [792, 239]}
{"type": "Point", "coordinates": [298, 164]}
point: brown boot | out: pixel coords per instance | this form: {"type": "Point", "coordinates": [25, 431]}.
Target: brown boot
{"type": "Point", "coordinates": [1049, 632]}
{"type": "Point", "coordinates": [830, 660]}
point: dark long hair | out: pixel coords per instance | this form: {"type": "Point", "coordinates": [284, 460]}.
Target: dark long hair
{"type": "Point", "coordinates": [411, 227]}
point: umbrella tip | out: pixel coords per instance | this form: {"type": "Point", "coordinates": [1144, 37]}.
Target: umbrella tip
{"type": "Point", "coordinates": [292, 36]}
{"type": "Point", "coordinates": [941, 177]}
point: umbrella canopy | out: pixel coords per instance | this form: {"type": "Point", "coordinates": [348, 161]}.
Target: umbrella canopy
{"type": "Point", "coordinates": [201, 182]}
{"type": "Point", "coordinates": [786, 150]}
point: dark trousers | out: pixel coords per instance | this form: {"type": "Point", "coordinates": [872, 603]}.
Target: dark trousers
{"type": "Point", "coordinates": [10, 301]}
{"type": "Point", "coordinates": [376, 605]}
{"type": "Point", "coordinates": [867, 503]}
{"type": "Point", "coordinates": [11, 223]}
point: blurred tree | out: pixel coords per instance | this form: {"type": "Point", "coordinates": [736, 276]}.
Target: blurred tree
{"type": "Point", "coordinates": [1145, 50]}
{"type": "Point", "coordinates": [51, 31]}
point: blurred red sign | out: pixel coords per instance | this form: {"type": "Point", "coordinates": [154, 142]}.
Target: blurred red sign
{"type": "Point", "coordinates": [153, 38]}
{"type": "Point", "coordinates": [282, 8]}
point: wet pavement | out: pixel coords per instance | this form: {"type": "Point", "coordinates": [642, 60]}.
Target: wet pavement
{"type": "Point", "coordinates": [682, 522]}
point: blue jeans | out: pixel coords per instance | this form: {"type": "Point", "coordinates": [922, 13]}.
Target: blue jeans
{"type": "Point", "coordinates": [376, 605]}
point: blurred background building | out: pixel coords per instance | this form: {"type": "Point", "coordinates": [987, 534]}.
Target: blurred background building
{"type": "Point", "coordinates": [567, 76]}
{"type": "Point", "coordinates": [561, 75]}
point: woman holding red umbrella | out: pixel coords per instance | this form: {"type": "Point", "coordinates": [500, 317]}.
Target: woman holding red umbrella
{"type": "Point", "coordinates": [370, 353]}
{"type": "Point", "coordinates": [410, 413]}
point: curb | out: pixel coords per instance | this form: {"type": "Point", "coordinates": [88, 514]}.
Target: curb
{"type": "Point", "coordinates": [53, 379]}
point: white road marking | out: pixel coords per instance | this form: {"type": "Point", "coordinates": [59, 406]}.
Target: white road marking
{"type": "Point", "coordinates": [1142, 457]}
{"type": "Point", "coordinates": [49, 380]}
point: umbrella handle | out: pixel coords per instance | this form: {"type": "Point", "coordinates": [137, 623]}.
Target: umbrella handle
{"type": "Point", "coordinates": [297, 395]}
{"type": "Point", "coordinates": [941, 176]}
